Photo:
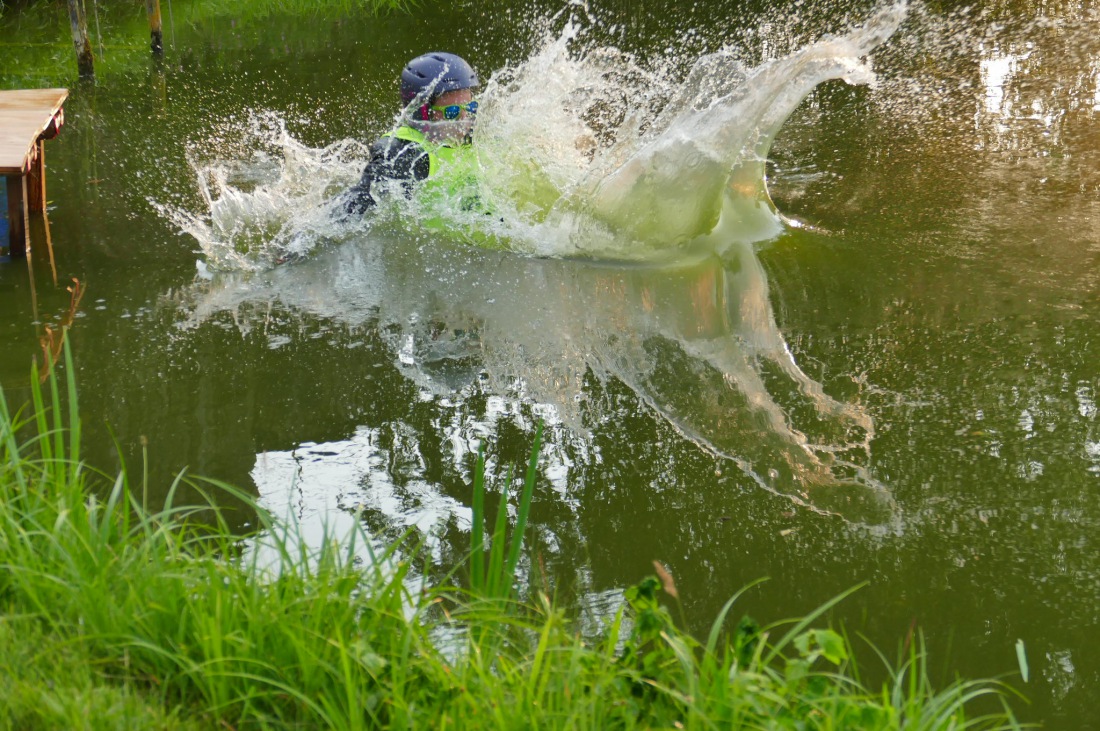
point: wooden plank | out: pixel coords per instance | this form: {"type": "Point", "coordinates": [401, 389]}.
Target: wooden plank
{"type": "Point", "coordinates": [24, 115]}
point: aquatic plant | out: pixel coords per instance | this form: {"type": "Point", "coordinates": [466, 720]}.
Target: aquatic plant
{"type": "Point", "coordinates": [162, 614]}
{"type": "Point", "coordinates": [493, 574]}
{"type": "Point", "coordinates": [53, 337]}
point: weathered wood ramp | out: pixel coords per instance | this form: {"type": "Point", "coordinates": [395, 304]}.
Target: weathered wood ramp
{"type": "Point", "coordinates": [27, 118]}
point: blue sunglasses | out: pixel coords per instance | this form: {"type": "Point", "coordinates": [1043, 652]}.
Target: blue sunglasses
{"type": "Point", "coordinates": [451, 111]}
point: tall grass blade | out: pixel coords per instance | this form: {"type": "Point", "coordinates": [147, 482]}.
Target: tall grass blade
{"type": "Point", "coordinates": [14, 463]}
{"type": "Point", "coordinates": [58, 422]}
{"type": "Point", "coordinates": [524, 506]}
{"type": "Point", "coordinates": [74, 405]}
{"type": "Point", "coordinates": [720, 620]}
{"type": "Point", "coordinates": [1021, 659]}
{"type": "Point", "coordinates": [477, 550]}
{"type": "Point", "coordinates": [806, 621]}
{"type": "Point", "coordinates": [45, 443]}
{"type": "Point", "coordinates": [497, 547]}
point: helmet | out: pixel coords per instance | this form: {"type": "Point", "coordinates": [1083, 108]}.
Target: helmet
{"type": "Point", "coordinates": [435, 73]}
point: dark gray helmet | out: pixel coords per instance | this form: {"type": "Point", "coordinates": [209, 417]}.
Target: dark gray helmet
{"type": "Point", "coordinates": [435, 73]}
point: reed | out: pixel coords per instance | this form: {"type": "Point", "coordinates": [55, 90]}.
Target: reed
{"type": "Point", "coordinates": [152, 615]}
{"type": "Point", "coordinates": [493, 574]}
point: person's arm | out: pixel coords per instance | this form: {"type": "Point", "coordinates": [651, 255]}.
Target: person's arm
{"type": "Point", "coordinates": [391, 160]}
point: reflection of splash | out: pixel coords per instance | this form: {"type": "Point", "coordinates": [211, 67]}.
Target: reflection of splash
{"type": "Point", "coordinates": [699, 344]}
{"type": "Point", "coordinates": [371, 491]}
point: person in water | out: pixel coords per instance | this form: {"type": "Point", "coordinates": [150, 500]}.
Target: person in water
{"type": "Point", "coordinates": [433, 134]}
{"type": "Point", "coordinates": [435, 125]}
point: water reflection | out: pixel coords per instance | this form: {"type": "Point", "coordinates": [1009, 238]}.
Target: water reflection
{"type": "Point", "coordinates": [997, 70]}
{"type": "Point", "coordinates": [962, 279]}
{"type": "Point", "coordinates": [325, 489]}
{"type": "Point", "coordinates": [698, 344]}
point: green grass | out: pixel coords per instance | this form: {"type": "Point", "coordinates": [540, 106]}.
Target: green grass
{"type": "Point", "coordinates": [258, 9]}
{"type": "Point", "coordinates": [37, 49]}
{"type": "Point", "coordinates": [50, 682]}
{"type": "Point", "coordinates": [112, 616]}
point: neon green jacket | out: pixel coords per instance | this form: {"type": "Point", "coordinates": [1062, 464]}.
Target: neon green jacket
{"type": "Point", "coordinates": [452, 171]}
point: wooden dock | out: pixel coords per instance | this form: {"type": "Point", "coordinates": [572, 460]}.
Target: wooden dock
{"type": "Point", "coordinates": [28, 117]}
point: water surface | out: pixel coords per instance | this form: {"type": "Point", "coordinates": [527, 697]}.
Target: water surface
{"type": "Point", "coordinates": [888, 377]}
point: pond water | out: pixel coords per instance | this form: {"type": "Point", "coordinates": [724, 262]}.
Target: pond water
{"type": "Point", "coordinates": [888, 377]}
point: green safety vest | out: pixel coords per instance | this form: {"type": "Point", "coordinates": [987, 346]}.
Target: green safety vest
{"type": "Point", "coordinates": [436, 153]}
{"type": "Point", "coordinates": [452, 177]}
{"type": "Point", "coordinates": [451, 170]}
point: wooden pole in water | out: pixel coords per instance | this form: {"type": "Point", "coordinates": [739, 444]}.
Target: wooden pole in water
{"type": "Point", "coordinates": [18, 235]}
{"type": "Point", "coordinates": [156, 36]}
{"type": "Point", "coordinates": [36, 179]}
{"type": "Point", "coordinates": [49, 246]}
{"type": "Point", "coordinates": [78, 23]}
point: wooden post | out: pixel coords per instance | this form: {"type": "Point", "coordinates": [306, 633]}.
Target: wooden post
{"type": "Point", "coordinates": [158, 88]}
{"type": "Point", "coordinates": [4, 229]}
{"type": "Point", "coordinates": [156, 36]}
{"type": "Point", "coordinates": [49, 246]}
{"type": "Point", "coordinates": [18, 233]}
{"type": "Point", "coordinates": [78, 23]}
{"type": "Point", "coordinates": [36, 180]}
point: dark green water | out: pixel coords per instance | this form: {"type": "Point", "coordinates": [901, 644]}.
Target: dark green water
{"type": "Point", "coordinates": [946, 285]}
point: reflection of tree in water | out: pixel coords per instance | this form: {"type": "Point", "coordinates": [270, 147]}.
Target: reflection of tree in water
{"type": "Point", "coordinates": [982, 132]}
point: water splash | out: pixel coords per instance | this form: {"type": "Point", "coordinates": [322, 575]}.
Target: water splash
{"type": "Point", "coordinates": [600, 156]}
{"type": "Point", "coordinates": [582, 150]}
{"type": "Point", "coordinates": [278, 200]}
{"type": "Point", "coordinates": [573, 175]}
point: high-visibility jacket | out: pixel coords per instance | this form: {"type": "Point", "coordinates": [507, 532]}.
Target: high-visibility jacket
{"type": "Point", "coordinates": [452, 171]}
{"type": "Point", "coordinates": [449, 179]}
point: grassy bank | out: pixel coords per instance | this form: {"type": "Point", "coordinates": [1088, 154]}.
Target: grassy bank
{"type": "Point", "coordinates": [37, 48]}
{"type": "Point", "coordinates": [113, 617]}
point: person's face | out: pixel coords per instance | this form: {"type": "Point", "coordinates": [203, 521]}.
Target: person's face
{"type": "Point", "coordinates": [450, 131]}
{"type": "Point", "coordinates": [447, 98]}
